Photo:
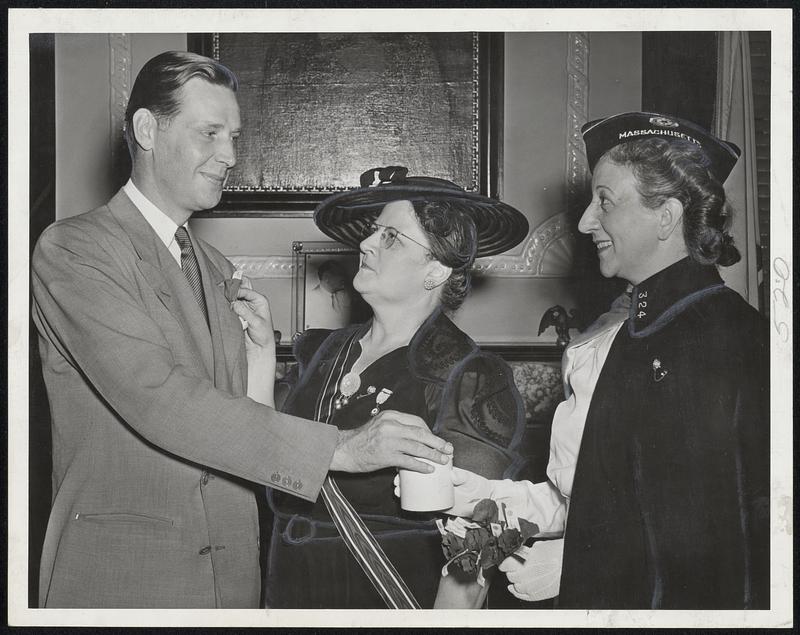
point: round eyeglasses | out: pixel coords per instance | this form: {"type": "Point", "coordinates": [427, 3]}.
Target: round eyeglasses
{"type": "Point", "coordinates": [389, 235]}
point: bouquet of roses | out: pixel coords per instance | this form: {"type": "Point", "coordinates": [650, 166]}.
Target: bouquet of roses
{"type": "Point", "coordinates": [485, 541]}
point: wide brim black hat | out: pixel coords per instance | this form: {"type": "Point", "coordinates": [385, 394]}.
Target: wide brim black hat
{"type": "Point", "coordinates": [601, 135]}
{"type": "Point", "coordinates": [345, 216]}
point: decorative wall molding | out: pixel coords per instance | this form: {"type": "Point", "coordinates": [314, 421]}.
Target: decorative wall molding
{"type": "Point", "coordinates": [119, 79]}
{"type": "Point", "coordinates": [547, 253]}
{"type": "Point", "coordinates": [577, 115]}
{"type": "Point", "coordinates": [264, 266]}
{"type": "Point", "coordinates": [549, 248]}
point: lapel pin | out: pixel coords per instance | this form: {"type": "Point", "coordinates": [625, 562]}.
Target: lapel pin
{"type": "Point", "coordinates": [658, 372]}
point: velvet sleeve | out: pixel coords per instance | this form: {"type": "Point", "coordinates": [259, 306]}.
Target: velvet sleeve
{"type": "Point", "coordinates": [482, 414]}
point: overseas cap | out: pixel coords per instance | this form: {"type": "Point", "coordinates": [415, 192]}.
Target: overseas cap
{"type": "Point", "coordinates": [603, 134]}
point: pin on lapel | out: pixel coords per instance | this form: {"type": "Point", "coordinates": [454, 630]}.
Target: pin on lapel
{"type": "Point", "coordinates": [658, 372]}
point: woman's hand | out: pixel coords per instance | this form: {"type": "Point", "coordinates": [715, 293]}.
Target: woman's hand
{"type": "Point", "coordinates": [253, 308]}
{"type": "Point", "coordinates": [538, 576]}
{"type": "Point", "coordinates": [468, 487]}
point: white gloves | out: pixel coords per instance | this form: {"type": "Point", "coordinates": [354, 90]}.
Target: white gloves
{"type": "Point", "coordinates": [469, 488]}
{"type": "Point", "coordinates": [539, 577]}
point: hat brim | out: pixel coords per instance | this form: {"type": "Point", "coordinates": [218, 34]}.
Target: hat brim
{"type": "Point", "coordinates": [345, 216]}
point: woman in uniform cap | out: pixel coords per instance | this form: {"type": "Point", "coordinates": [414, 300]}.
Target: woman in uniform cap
{"type": "Point", "coordinates": [418, 238]}
{"type": "Point", "coordinates": [659, 461]}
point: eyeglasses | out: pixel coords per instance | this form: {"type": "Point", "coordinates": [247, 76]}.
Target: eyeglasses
{"type": "Point", "coordinates": [390, 234]}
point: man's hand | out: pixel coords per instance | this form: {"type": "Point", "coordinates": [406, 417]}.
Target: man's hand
{"type": "Point", "coordinates": [539, 576]}
{"type": "Point", "coordinates": [390, 439]}
{"type": "Point", "coordinates": [253, 308]}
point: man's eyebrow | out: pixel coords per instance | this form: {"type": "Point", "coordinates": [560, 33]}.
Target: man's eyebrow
{"type": "Point", "coordinates": [217, 126]}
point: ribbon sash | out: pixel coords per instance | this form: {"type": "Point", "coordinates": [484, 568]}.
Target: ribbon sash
{"type": "Point", "coordinates": [366, 550]}
{"type": "Point", "coordinates": [356, 535]}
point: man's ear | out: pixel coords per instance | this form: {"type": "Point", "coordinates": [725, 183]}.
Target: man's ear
{"type": "Point", "coordinates": [438, 273]}
{"type": "Point", "coordinates": [144, 126]}
{"type": "Point", "coordinates": [670, 217]}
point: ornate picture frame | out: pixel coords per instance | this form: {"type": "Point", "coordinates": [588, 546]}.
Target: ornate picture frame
{"type": "Point", "coordinates": [322, 289]}
{"type": "Point", "coordinates": [320, 108]}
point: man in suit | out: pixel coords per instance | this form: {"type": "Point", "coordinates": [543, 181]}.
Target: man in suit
{"type": "Point", "coordinates": [156, 445]}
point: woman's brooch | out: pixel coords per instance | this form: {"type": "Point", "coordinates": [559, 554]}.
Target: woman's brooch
{"type": "Point", "coordinates": [658, 372]}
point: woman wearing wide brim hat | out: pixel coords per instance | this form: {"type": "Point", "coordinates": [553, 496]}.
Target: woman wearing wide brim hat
{"type": "Point", "coordinates": [418, 238]}
{"type": "Point", "coordinates": [659, 468]}
{"type": "Point", "coordinates": [347, 215]}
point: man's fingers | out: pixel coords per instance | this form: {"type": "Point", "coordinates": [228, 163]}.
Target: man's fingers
{"type": "Point", "coordinates": [247, 293]}
{"type": "Point", "coordinates": [241, 308]}
{"type": "Point", "coordinates": [420, 428]}
{"type": "Point", "coordinates": [416, 431]}
{"type": "Point", "coordinates": [406, 462]}
{"type": "Point", "coordinates": [437, 449]}
{"type": "Point", "coordinates": [243, 311]}
{"type": "Point", "coordinates": [422, 451]}
{"type": "Point", "coordinates": [404, 418]}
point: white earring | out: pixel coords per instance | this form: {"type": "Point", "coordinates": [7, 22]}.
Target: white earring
{"type": "Point", "coordinates": [428, 284]}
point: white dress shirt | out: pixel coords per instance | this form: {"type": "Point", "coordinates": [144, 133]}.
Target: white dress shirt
{"type": "Point", "coordinates": [162, 225]}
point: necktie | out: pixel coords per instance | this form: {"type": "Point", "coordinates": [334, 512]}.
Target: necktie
{"type": "Point", "coordinates": [191, 269]}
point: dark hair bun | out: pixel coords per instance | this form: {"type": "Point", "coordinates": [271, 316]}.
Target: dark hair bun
{"type": "Point", "coordinates": [714, 246]}
{"type": "Point", "coordinates": [729, 253]}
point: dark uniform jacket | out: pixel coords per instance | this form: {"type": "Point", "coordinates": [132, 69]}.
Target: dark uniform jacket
{"type": "Point", "coordinates": [465, 395]}
{"type": "Point", "coordinates": [670, 504]}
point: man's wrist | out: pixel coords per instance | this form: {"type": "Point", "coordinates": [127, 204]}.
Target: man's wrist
{"type": "Point", "coordinates": [342, 461]}
{"type": "Point", "coordinates": [257, 354]}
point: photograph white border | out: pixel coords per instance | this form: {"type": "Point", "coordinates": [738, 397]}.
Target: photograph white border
{"type": "Point", "coordinates": [22, 22]}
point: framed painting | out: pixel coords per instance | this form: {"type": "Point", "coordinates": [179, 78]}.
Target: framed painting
{"type": "Point", "coordinates": [319, 109]}
{"type": "Point", "coordinates": [322, 287]}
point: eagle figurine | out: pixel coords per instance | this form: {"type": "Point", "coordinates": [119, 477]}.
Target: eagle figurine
{"type": "Point", "coordinates": [558, 317]}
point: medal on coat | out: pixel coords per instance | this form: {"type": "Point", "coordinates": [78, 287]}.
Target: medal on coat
{"type": "Point", "coordinates": [380, 399]}
{"type": "Point", "coordinates": [348, 387]}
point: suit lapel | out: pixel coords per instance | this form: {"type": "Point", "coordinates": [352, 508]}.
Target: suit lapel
{"type": "Point", "coordinates": [226, 329]}
{"type": "Point", "coordinates": [164, 275]}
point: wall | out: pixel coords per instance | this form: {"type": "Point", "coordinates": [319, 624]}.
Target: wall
{"type": "Point", "coordinates": [538, 91]}
{"type": "Point", "coordinates": [84, 171]}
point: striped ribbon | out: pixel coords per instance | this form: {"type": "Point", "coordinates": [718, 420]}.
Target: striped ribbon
{"type": "Point", "coordinates": [366, 550]}
{"type": "Point", "coordinates": [191, 269]}
{"type": "Point", "coordinates": [356, 535]}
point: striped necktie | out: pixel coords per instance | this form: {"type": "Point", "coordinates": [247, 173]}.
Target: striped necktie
{"type": "Point", "coordinates": [191, 269]}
